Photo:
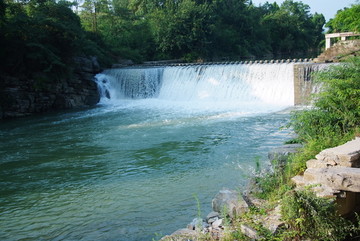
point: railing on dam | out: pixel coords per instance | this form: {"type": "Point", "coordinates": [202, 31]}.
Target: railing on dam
{"type": "Point", "coordinates": [170, 63]}
{"type": "Point", "coordinates": [343, 37]}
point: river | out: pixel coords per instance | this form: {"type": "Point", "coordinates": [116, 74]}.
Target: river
{"type": "Point", "coordinates": [132, 168]}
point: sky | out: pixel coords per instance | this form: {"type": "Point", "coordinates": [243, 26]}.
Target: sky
{"type": "Point", "coordinates": [327, 7]}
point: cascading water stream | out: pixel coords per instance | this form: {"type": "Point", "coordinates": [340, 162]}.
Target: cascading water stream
{"type": "Point", "coordinates": [270, 84]}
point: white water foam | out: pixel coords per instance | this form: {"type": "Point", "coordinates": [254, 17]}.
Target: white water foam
{"type": "Point", "coordinates": [267, 83]}
{"type": "Point", "coordinates": [256, 87]}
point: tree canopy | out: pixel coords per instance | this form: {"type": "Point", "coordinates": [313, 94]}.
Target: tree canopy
{"type": "Point", "coordinates": [204, 29]}
{"type": "Point", "coordinates": [347, 19]}
{"type": "Point", "coordinates": [43, 36]}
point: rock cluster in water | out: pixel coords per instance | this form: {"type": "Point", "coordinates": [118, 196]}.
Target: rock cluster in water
{"type": "Point", "coordinates": [227, 203]}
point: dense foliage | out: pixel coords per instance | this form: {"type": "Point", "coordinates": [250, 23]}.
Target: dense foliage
{"type": "Point", "coordinates": [314, 218]}
{"type": "Point", "coordinates": [39, 39]}
{"type": "Point", "coordinates": [346, 20]}
{"type": "Point", "coordinates": [43, 36]}
{"type": "Point", "coordinates": [204, 29]}
{"type": "Point", "coordinates": [336, 113]}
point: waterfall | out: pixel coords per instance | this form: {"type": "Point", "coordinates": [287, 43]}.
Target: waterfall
{"type": "Point", "coordinates": [134, 83]}
{"type": "Point", "coordinates": [261, 83]}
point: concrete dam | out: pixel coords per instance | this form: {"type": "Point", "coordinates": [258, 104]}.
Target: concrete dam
{"type": "Point", "coordinates": [276, 82]}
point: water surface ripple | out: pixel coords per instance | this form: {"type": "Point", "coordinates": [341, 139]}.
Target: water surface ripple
{"type": "Point", "coordinates": [124, 172]}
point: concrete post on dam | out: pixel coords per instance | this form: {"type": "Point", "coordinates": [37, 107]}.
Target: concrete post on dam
{"type": "Point", "coordinates": [304, 85]}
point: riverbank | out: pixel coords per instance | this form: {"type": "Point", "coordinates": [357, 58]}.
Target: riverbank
{"type": "Point", "coordinates": [22, 96]}
{"type": "Point", "coordinates": [245, 216]}
{"type": "Point", "coordinates": [229, 207]}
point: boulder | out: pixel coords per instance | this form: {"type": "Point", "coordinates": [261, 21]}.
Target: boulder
{"type": "Point", "coordinates": [315, 163]}
{"type": "Point", "coordinates": [347, 155]}
{"type": "Point", "coordinates": [340, 178]}
{"type": "Point", "coordinates": [181, 235]}
{"type": "Point", "coordinates": [197, 224]}
{"type": "Point", "coordinates": [212, 217]}
{"type": "Point", "coordinates": [217, 223]}
{"type": "Point", "coordinates": [250, 232]}
{"type": "Point", "coordinates": [230, 203]}
{"type": "Point", "coordinates": [273, 221]}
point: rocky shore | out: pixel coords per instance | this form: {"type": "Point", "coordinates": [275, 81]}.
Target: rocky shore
{"type": "Point", "coordinates": [334, 173]}
{"type": "Point", "coordinates": [229, 204]}
{"type": "Point", "coordinates": [22, 97]}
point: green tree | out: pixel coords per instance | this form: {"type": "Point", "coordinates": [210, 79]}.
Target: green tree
{"type": "Point", "coordinates": [347, 19]}
{"type": "Point", "coordinates": [293, 29]}
{"type": "Point", "coordinates": [234, 28]}
{"type": "Point", "coordinates": [41, 37]}
{"type": "Point", "coordinates": [181, 29]}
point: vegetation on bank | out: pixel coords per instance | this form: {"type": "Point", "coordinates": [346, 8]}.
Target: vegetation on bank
{"type": "Point", "coordinates": [333, 120]}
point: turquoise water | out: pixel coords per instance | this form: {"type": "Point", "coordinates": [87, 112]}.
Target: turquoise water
{"type": "Point", "coordinates": [126, 171]}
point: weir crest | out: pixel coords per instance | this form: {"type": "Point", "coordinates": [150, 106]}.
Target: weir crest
{"type": "Point", "coordinates": [286, 84]}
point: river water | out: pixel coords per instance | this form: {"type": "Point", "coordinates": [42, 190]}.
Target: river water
{"type": "Point", "coordinates": [134, 168]}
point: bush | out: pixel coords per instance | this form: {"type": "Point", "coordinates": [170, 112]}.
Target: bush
{"type": "Point", "coordinates": [336, 111]}
{"type": "Point", "coordinates": [314, 218]}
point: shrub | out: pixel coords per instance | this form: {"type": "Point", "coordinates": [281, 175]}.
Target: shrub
{"type": "Point", "coordinates": [314, 218]}
{"type": "Point", "coordinates": [336, 111]}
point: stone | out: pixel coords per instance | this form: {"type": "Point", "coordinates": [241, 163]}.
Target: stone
{"type": "Point", "coordinates": [299, 181]}
{"type": "Point", "coordinates": [212, 217]}
{"type": "Point", "coordinates": [273, 221]}
{"type": "Point", "coordinates": [217, 223]}
{"type": "Point", "coordinates": [229, 202]}
{"type": "Point", "coordinates": [181, 235]}
{"type": "Point", "coordinates": [196, 224]}
{"type": "Point", "coordinates": [250, 232]}
{"type": "Point", "coordinates": [315, 163]}
{"type": "Point", "coordinates": [253, 201]}
{"type": "Point", "coordinates": [347, 155]}
{"type": "Point", "coordinates": [340, 178]}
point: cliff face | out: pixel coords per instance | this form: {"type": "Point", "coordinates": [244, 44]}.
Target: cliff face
{"type": "Point", "coordinates": [23, 97]}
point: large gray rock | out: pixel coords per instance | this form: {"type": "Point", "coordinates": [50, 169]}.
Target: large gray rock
{"type": "Point", "coordinates": [230, 203]}
{"type": "Point", "coordinates": [250, 232]}
{"type": "Point", "coordinates": [340, 178]}
{"type": "Point", "coordinates": [181, 235]}
{"type": "Point", "coordinates": [347, 155]}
